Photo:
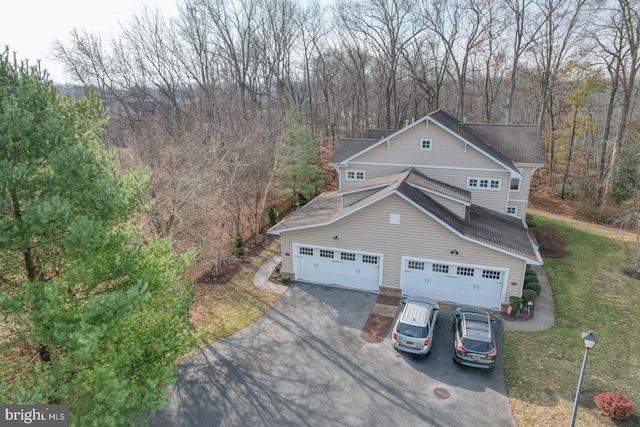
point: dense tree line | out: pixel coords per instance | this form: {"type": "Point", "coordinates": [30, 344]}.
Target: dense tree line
{"type": "Point", "coordinates": [202, 96]}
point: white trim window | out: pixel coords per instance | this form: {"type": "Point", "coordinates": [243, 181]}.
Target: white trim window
{"type": "Point", "coordinates": [512, 210]}
{"type": "Point", "coordinates": [426, 144]}
{"type": "Point", "coordinates": [484, 183]}
{"type": "Point", "coordinates": [515, 184]}
{"type": "Point", "coordinates": [353, 175]}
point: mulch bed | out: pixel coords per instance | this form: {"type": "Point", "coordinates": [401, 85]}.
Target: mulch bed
{"type": "Point", "coordinates": [377, 327]}
{"type": "Point", "coordinates": [231, 268]}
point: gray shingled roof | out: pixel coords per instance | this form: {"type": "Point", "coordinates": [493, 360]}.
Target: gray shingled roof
{"type": "Point", "coordinates": [482, 225]}
{"type": "Point", "coordinates": [377, 134]}
{"type": "Point", "coordinates": [418, 178]}
{"type": "Point", "coordinates": [520, 143]}
{"type": "Point", "coordinates": [458, 128]}
{"type": "Point", "coordinates": [347, 147]}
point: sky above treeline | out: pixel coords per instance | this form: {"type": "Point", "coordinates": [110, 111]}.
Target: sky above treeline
{"type": "Point", "coordinates": [30, 27]}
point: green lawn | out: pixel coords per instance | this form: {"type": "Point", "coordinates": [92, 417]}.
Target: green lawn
{"type": "Point", "coordinates": [591, 292]}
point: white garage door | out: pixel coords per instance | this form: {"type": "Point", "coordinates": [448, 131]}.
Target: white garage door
{"type": "Point", "coordinates": [458, 283]}
{"type": "Point", "coordinates": [337, 267]}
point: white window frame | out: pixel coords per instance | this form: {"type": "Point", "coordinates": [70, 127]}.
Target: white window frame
{"type": "Point", "coordinates": [354, 175]}
{"type": "Point", "coordinates": [514, 209]}
{"type": "Point", "coordinates": [426, 144]}
{"type": "Point", "coordinates": [490, 184]}
{"type": "Point", "coordinates": [518, 180]}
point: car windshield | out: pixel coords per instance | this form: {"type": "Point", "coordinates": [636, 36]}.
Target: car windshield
{"type": "Point", "coordinates": [476, 346]}
{"type": "Point", "coordinates": [412, 331]}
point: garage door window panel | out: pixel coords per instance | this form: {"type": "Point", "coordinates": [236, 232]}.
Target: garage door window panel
{"type": "Point", "coordinates": [347, 256]}
{"type": "Point", "coordinates": [491, 274]}
{"type": "Point", "coordinates": [465, 271]}
{"type": "Point", "coordinates": [440, 268]}
{"type": "Point", "coordinates": [306, 251]}
{"type": "Point", "coordinates": [416, 265]}
{"type": "Point", "coordinates": [370, 259]}
{"type": "Point", "coordinates": [325, 253]}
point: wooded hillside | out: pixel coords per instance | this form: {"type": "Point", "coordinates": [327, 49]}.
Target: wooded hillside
{"type": "Point", "coordinates": [206, 99]}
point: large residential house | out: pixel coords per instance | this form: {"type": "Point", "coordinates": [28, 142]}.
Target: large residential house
{"type": "Point", "coordinates": [435, 209]}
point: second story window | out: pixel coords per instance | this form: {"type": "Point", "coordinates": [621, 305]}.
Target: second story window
{"type": "Point", "coordinates": [426, 144]}
{"type": "Point", "coordinates": [355, 175]}
{"type": "Point", "coordinates": [515, 184]}
{"type": "Point", "coordinates": [484, 183]}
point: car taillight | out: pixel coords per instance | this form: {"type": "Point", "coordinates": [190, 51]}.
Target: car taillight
{"type": "Point", "coordinates": [492, 352]}
{"type": "Point", "coordinates": [427, 341]}
{"type": "Point", "coordinates": [395, 335]}
{"type": "Point", "coordinates": [459, 347]}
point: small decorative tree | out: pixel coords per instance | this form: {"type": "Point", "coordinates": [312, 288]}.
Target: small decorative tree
{"type": "Point", "coordinates": [239, 246]}
{"type": "Point", "coordinates": [272, 217]}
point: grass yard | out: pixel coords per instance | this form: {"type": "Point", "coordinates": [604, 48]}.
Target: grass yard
{"type": "Point", "coordinates": [591, 292]}
{"type": "Point", "coordinates": [220, 310]}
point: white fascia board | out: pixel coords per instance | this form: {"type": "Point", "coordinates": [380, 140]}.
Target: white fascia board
{"type": "Point", "coordinates": [531, 165]}
{"type": "Point", "coordinates": [468, 239]}
{"type": "Point", "coordinates": [419, 167]}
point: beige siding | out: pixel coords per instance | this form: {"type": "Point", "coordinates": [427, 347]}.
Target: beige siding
{"type": "Point", "coordinates": [449, 160]}
{"type": "Point", "coordinates": [491, 199]}
{"type": "Point", "coordinates": [520, 198]}
{"type": "Point", "coordinates": [416, 236]}
{"type": "Point", "coordinates": [447, 151]}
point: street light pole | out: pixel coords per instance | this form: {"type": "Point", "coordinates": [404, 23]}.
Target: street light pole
{"type": "Point", "coordinates": [590, 340]}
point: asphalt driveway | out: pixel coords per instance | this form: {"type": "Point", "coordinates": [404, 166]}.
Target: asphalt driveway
{"type": "Point", "coordinates": [304, 364]}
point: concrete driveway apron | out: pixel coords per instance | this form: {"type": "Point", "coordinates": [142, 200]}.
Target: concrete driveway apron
{"type": "Point", "coordinates": [304, 364]}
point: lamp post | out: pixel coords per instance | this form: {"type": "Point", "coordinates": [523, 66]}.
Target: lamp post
{"type": "Point", "coordinates": [590, 340]}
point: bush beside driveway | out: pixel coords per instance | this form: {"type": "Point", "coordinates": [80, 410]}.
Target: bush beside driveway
{"type": "Point", "coordinates": [304, 363]}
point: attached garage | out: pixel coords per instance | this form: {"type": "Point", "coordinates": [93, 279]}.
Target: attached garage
{"type": "Point", "coordinates": [334, 266]}
{"type": "Point", "coordinates": [445, 281]}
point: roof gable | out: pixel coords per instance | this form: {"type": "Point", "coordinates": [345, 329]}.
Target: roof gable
{"type": "Point", "coordinates": [484, 226]}
{"type": "Point", "coordinates": [504, 144]}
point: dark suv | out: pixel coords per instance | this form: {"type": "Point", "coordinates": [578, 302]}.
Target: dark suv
{"type": "Point", "coordinates": [475, 344]}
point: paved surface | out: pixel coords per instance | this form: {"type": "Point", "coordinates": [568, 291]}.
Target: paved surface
{"type": "Point", "coordinates": [544, 315]}
{"type": "Point", "coordinates": [304, 364]}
